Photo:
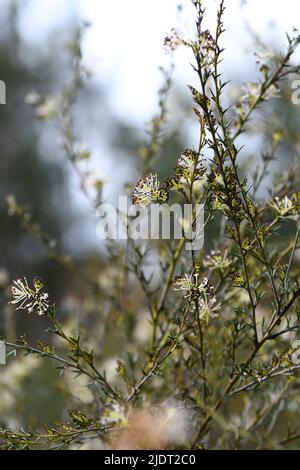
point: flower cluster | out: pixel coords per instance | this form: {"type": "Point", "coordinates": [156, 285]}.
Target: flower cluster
{"type": "Point", "coordinates": [254, 93]}
{"type": "Point", "coordinates": [33, 300]}
{"type": "Point", "coordinates": [286, 206]}
{"type": "Point", "coordinates": [191, 285]}
{"type": "Point", "coordinates": [199, 292]}
{"type": "Point", "coordinates": [45, 107]}
{"type": "Point", "coordinates": [217, 261]}
{"type": "Point", "coordinates": [172, 41]}
{"type": "Point", "coordinates": [264, 59]}
{"type": "Point", "coordinates": [208, 308]}
{"type": "Point", "coordinates": [189, 167]}
{"type": "Point", "coordinates": [148, 191]}
{"type": "Point", "coordinates": [188, 170]}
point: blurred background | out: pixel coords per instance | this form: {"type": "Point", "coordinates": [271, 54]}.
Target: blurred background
{"type": "Point", "coordinates": [122, 51]}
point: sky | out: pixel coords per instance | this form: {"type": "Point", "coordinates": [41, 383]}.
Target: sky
{"type": "Point", "coordinates": [124, 47]}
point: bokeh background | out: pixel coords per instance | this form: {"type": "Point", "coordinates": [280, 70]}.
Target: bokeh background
{"type": "Point", "coordinates": [123, 50]}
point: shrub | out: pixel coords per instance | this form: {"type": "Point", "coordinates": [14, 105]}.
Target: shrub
{"type": "Point", "coordinates": [207, 355]}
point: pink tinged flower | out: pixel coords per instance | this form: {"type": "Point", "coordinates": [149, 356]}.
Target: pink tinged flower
{"type": "Point", "coordinates": [172, 41]}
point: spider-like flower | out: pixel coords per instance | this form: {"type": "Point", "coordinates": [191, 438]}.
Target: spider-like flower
{"type": "Point", "coordinates": [34, 300]}
{"type": "Point", "coordinates": [254, 91]}
{"type": "Point", "coordinates": [217, 261]}
{"type": "Point", "coordinates": [147, 191]}
{"type": "Point", "coordinates": [272, 91]}
{"type": "Point", "coordinates": [172, 41]}
{"type": "Point", "coordinates": [199, 291]}
{"type": "Point", "coordinates": [263, 57]}
{"type": "Point", "coordinates": [189, 169]}
{"type": "Point", "coordinates": [189, 166]}
{"type": "Point", "coordinates": [284, 207]}
{"type": "Point", "coordinates": [192, 286]}
{"type": "Point", "coordinates": [208, 308]}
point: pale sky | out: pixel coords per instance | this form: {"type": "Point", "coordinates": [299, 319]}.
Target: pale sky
{"type": "Point", "coordinates": [124, 45]}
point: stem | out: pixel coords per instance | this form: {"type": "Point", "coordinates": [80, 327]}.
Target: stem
{"type": "Point", "coordinates": [233, 381]}
{"type": "Point", "coordinates": [159, 362]}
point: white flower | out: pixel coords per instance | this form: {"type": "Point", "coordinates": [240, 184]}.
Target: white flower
{"type": "Point", "coordinates": [33, 98]}
{"type": "Point", "coordinates": [252, 92]}
{"type": "Point", "coordinates": [172, 41]}
{"type": "Point", "coordinates": [272, 92]}
{"type": "Point", "coordinates": [32, 300]}
{"type": "Point", "coordinates": [148, 191]}
{"type": "Point", "coordinates": [96, 179]}
{"type": "Point", "coordinates": [217, 261]}
{"type": "Point", "coordinates": [47, 109]}
{"type": "Point", "coordinates": [264, 57]}
{"type": "Point", "coordinates": [201, 293]}
{"type": "Point", "coordinates": [191, 285]}
{"type": "Point", "coordinates": [189, 166]}
{"type": "Point", "coordinates": [284, 207]}
{"type": "Point", "coordinates": [208, 308]}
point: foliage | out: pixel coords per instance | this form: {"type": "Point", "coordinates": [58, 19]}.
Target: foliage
{"type": "Point", "coordinates": [205, 346]}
